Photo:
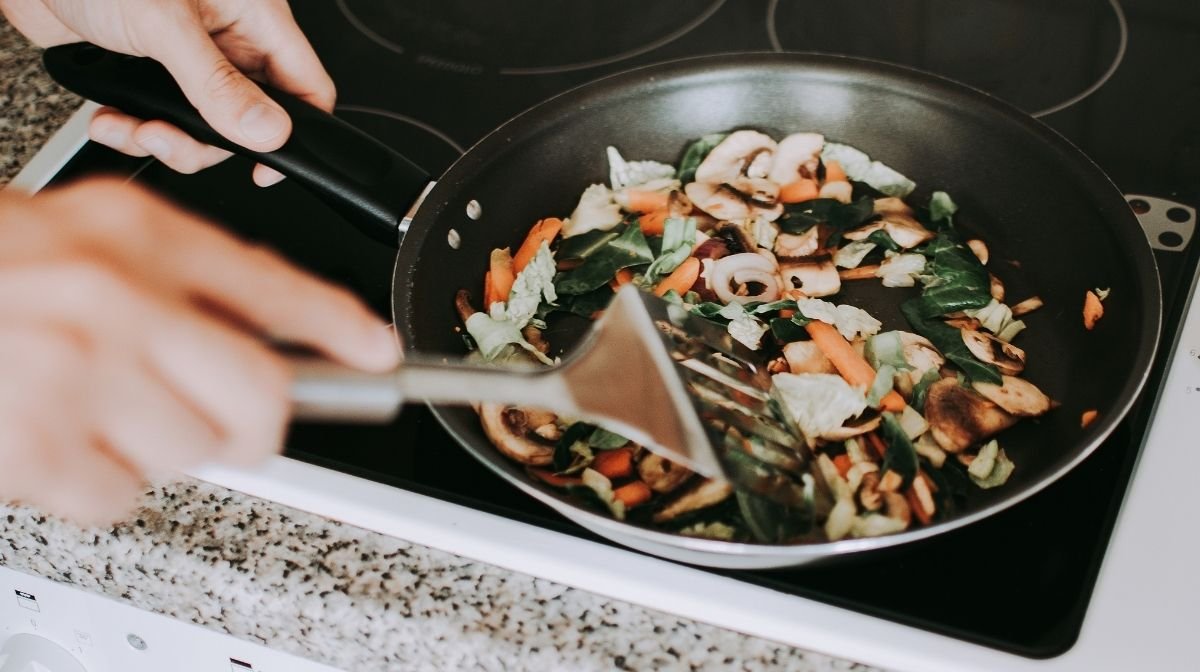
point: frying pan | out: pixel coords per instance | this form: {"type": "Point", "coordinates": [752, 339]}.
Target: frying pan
{"type": "Point", "coordinates": [1056, 226]}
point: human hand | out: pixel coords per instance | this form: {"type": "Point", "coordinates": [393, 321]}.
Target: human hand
{"type": "Point", "coordinates": [133, 342]}
{"type": "Point", "coordinates": [206, 45]}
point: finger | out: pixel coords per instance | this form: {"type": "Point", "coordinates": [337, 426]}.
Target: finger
{"type": "Point", "coordinates": [147, 422]}
{"type": "Point", "coordinates": [266, 176]}
{"type": "Point", "coordinates": [291, 64]}
{"type": "Point", "coordinates": [178, 150]}
{"type": "Point", "coordinates": [91, 485]}
{"type": "Point", "coordinates": [228, 100]}
{"type": "Point", "coordinates": [177, 251]}
{"type": "Point", "coordinates": [113, 128]}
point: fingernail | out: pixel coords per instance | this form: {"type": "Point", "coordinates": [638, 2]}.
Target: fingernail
{"type": "Point", "coordinates": [263, 122]}
{"type": "Point", "coordinates": [161, 149]}
{"type": "Point", "coordinates": [268, 176]}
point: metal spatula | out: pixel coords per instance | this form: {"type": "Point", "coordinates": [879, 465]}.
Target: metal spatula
{"type": "Point", "coordinates": [647, 370]}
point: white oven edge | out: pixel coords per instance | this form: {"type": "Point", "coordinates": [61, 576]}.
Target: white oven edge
{"type": "Point", "coordinates": [1139, 615]}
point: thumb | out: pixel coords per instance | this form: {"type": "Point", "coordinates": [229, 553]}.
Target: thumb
{"type": "Point", "coordinates": [228, 100]}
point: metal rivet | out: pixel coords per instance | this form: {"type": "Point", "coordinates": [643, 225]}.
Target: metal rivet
{"type": "Point", "coordinates": [454, 239]}
{"type": "Point", "coordinates": [474, 210]}
{"type": "Point", "coordinates": [136, 642]}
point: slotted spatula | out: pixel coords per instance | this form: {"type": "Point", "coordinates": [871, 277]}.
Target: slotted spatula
{"type": "Point", "coordinates": [647, 370]}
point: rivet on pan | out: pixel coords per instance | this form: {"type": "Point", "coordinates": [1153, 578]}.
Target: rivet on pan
{"type": "Point", "coordinates": [454, 239]}
{"type": "Point", "coordinates": [474, 210]}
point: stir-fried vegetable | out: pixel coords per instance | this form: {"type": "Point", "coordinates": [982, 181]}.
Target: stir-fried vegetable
{"type": "Point", "coordinates": [884, 430]}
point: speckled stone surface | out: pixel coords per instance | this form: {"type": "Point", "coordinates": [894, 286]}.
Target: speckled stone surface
{"type": "Point", "coordinates": [333, 593]}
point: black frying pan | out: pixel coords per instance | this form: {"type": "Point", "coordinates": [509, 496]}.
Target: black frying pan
{"type": "Point", "coordinates": [1055, 224]}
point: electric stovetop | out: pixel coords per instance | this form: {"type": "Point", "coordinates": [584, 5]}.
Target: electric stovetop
{"type": "Point", "coordinates": [432, 77]}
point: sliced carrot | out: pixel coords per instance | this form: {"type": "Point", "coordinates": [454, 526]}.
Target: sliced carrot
{"type": "Point", "coordinates": [803, 189]}
{"type": "Point", "coordinates": [633, 494]}
{"type": "Point", "coordinates": [1089, 416]}
{"type": "Point", "coordinates": [641, 200]}
{"type": "Point", "coordinates": [853, 366]}
{"type": "Point", "coordinates": [834, 172]}
{"type": "Point", "coordinates": [681, 279]}
{"type": "Point", "coordinates": [654, 223]}
{"type": "Point", "coordinates": [616, 463]}
{"type": "Point", "coordinates": [860, 273]}
{"type": "Point", "coordinates": [545, 231]}
{"type": "Point", "coordinates": [624, 277]}
{"type": "Point", "coordinates": [501, 270]}
{"type": "Point", "coordinates": [550, 478]}
{"type": "Point", "coordinates": [842, 462]}
{"type": "Point", "coordinates": [787, 313]}
{"type": "Point", "coordinates": [1093, 310]}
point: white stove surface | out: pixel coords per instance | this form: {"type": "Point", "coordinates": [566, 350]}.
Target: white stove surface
{"type": "Point", "coordinates": [1141, 615]}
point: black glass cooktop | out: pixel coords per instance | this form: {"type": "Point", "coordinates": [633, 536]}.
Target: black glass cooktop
{"type": "Point", "coordinates": [1117, 78]}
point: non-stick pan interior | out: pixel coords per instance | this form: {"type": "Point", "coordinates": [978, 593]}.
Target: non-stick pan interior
{"type": "Point", "coordinates": [1055, 225]}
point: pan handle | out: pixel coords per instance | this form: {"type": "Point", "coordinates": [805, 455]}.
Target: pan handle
{"type": "Point", "coordinates": [364, 180]}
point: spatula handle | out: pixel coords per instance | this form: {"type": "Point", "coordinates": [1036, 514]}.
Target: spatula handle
{"type": "Point", "coordinates": [325, 391]}
{"type": "Point", "coordinates": [367, 182]}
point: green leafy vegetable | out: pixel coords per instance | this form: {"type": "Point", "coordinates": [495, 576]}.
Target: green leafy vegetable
{"type": "Point", "coordinates": [886, 348]}
{"type": "Point", "coordinates": [679, 236]}
{"type": "Point", "coordinates": [584, 245]}
{"type": "Point", "coordinates": [493, 335]}
{"type": "Point", "coordinates": [694, 155]}
{"type": "Point", "coordinates": [772, 523]}
{"type": "Point", "coordinates": [583, 305]}
{"type": "Point", "coordinates": [565, 454]}
{"type": "Point", "coordinates": [921, 389]}
{"type": "Point", "coordinates": [885, 380]}
{"type": "Point", "coordinates": [954, 280]}
{"type": "Point", "coordinates": [798, 218]}
{"type": "Point", "coordinates": [949, 342]}
{"type": "Point", "coordinates": [602, 439]}
{"type": "Point", "coordinates": [901, 456]}
{"type": "Point", "coordinates": [884, 240]}
{"type": "Point", "coordinates": [627, 249]}
{"type": "Point", "coordinates": [942, 209]}
{"type": "Point", "coordinates": [787, 330]}
{"type": "Point", "coordinates": [860, 167]}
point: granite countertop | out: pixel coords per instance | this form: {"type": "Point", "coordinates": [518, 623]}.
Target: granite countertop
{"type": "Point", "coordinates": [319, 589]}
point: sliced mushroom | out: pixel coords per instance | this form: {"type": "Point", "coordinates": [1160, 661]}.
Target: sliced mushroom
{"type": "Point", "coordinates": [892, 206]}
{"type": "Point", "coordinates": [701, 496]}
{"type": "Point", "coordinates": [906, 231]}
{"type": "Point", "coordinates": [790, 245]}
{"type": "Point", "coordinates": [896, 507]}
{"type": "Point", "coordinates": [719, 200]}
{"type": "Point", "coordinates": [996, 287]}
{"type": "Point", "coordinates": [806, 357]}
{"type": "Point", "coordinates": [509, 429]}
{"type": "Point", "coordinates": [980, 249]}
{"type": "Point", "coordinates": [1017, 396]}
{"type": "Point", "coordinates": [1006, 357]}
{"type": "Point", "coordinates": [856, 428]}
{"type": "Point", "coordinates": [757, 190]}
{"type": "Point", "coordinates": [797, 156]}
{"type": "Point", "coordinates": [959, 417]}
{"type": "Point", "coordinates": [738, 155]}
{"type": "Point", "coordinates": [920, 354]}
{"type": "Point", "coordinates": [661, 474]}
{"type": "Point", "coordinates": [812, 276]}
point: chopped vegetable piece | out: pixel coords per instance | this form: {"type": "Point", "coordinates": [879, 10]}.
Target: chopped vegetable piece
{"type": "Point", "coordinates": [1089, 416]}
{"type": "Point", "coordinates": [801, 190]}
{"type": "Point", "coordinates": [1027, 306]}
{"type": "Point", "coordinates": [681, 279]}
{"type": "Point", "coordinates": [653, 223]}
{"type": "Point", "coordinates": [633, 494]}
{"type": "Point", "coordinates": [616, 463]}
{"type": "Point", "coordinates": [552, 479]}
{"type": "Point", "coordinates": [695, 154]}
{"type": "Point", "coordinates": [489, 290]}
{"type": "Point", "coordinates": [991, 467]}
{"type": "Point", "coordinates": [627, 249]}
{"type": "Point", "coordinates": [834, 172]}
{"type": "Point", "coordinates": [860, 273]}
{"type": "Point", "coordinates": [818, 402]}
{"type": "Point", "coordinates": [623, 277]}
{"type": "Point", "coordinates": [853, 367]}
{"type": "Point", "coordinates": [502, 274]}
{"type": "Point", "coordinates": [1093, 310]}
{"type": "Point", "coordinates": [941, 208]}
{"type": "Point", "coordinates": [545, 231]}
{"type": "Point", "coordinates": [842, 462]}
{"type": "Point", "coordinates": [901, 456]}
{"type": "Point", "coordinates": [640, 200]}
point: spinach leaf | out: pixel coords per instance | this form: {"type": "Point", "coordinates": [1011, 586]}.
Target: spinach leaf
{"type": "Point", "coordinates": [787, 330]}
{"type": "Point", "coordinates": [694, 155]}
{"type": "Point", "coordinates": [798, 218]}
{"type": "Point", "coordinates": [901, 456]}
{"type": "Point", "coordinates": [584, 245]}
{"type": "Point", "coordinates": [583, 305]}
{"type": "Point", "coordinates": [956, 280]}
{"type": "Point", "coordinates": [949, 342]}
{"type": "Point", "coordinates": [710, 310]}
{"type": "Point", "coordinates": [952, 485]}
{"type": "Point", "coordinates": [679, 235]}
{"type": "Point", "coordinates": [627, 249]}
{"type": "Point", "coordinates": [884, 240]}
{"type": "Point", "coordinates": [602, 439]}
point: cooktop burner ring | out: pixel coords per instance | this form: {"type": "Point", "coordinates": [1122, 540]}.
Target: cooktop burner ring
{"type": "Point", "coordinates": [1118, 14]}
{"type": "Point", "coordinates": [428, 128]}
{"type": "Point", "coordinates": [452, 64]}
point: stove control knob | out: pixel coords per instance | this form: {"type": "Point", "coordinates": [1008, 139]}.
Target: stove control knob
{"type": "Point", "coordinates": [31, 653]}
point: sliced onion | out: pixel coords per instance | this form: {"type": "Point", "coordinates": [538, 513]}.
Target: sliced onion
{"type": "Point", "coordinates": [741, 269]}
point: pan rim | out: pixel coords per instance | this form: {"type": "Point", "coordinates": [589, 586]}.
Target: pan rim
{"type": "Point", "coordinates": [941, 90]}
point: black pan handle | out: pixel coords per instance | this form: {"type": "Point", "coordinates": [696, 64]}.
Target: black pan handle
{"type": "Point", "coordinates": [366, 181]}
